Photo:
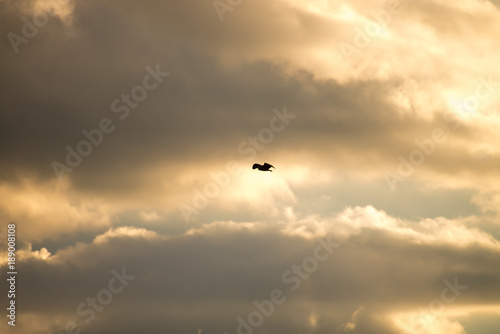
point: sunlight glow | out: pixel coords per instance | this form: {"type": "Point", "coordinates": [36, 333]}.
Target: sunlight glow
{"type": "Point", "coordinates": [445, 320]}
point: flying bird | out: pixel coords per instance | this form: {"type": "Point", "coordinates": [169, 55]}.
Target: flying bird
{"type": "Point", "coordinates": [265, 167]}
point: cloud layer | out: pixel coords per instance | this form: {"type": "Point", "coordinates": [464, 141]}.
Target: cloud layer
{"type": "Point", "coordinates": [388, 149]}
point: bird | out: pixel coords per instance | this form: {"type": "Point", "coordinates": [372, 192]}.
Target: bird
{"type": "Point", "coordinates": [265, 167]}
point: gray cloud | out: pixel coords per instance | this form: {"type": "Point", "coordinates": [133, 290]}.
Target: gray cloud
{"type": "Point", "coordinates": [209, 278]}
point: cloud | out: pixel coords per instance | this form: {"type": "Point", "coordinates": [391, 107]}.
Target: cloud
{"type": "Point", "coordinates": [50, 210]}
{"type": "Point", "coordinates": [229, 265]}
{"type": "Point", "coordinates": [351, 324]}
{"type": "Point", "coordinates": [356, 120]}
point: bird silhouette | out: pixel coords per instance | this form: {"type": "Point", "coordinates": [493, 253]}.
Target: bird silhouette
{"type": "Point", "coordinates": [265, 167]}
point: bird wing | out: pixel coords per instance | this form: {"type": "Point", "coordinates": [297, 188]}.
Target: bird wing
{"type": "Point", "coordinates": [267, 166]}
{"type": "Point", "coordinates": [256, 166]}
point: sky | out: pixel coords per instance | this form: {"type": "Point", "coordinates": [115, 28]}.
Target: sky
{"type": "Point", "coordinates": [127, 136]}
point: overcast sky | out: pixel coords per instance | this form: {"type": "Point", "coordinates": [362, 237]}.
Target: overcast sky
{"type": "Point", "coordinates": [129, 129]}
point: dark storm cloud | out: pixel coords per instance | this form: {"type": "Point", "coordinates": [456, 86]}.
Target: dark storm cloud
{"type": "Point", "coordinates": [66, 78]}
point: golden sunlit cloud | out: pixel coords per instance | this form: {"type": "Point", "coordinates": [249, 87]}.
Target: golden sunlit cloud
{"type": "Point", "coordinates": [441, 320]}
{"type": "Point", "coordinates": [50, 209]}
{"type": "Point", "coordinates": [351, 324]}
{"type": "Point", "coordinates": [313, 319]}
